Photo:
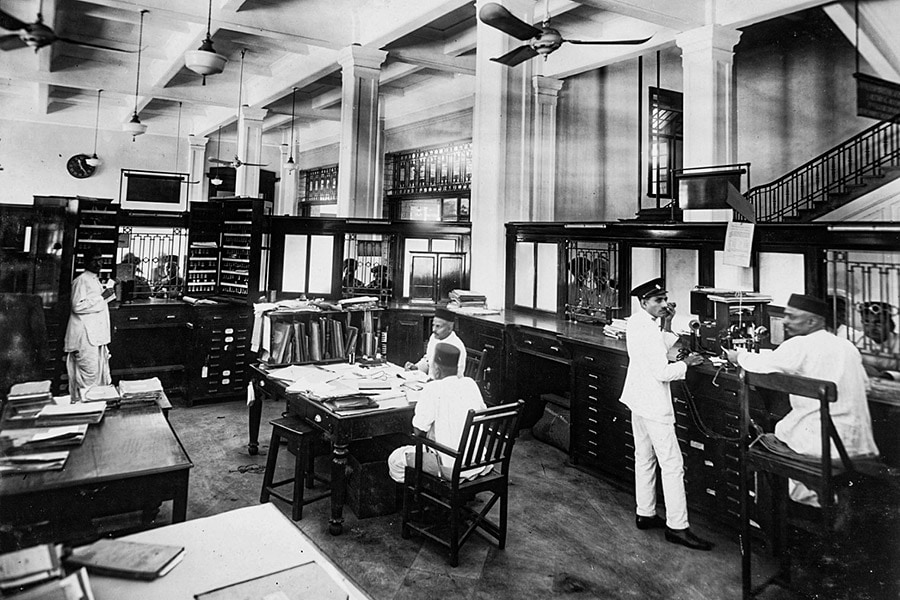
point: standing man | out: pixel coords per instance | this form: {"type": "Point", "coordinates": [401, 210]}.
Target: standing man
{"type": "Point", "coordinates": [441, 331]}
{"type": "Point", "coordinates": [441, 414]}
{"type": "Point", "coordinates": [87, 334]}
{"type": "Point", "coordinates": [649, 337]}
{"type": "Point", "coordinates": [811, 350]}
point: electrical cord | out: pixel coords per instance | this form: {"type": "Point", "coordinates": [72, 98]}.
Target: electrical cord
{"type": "Point", "coordinates": [702, 427]}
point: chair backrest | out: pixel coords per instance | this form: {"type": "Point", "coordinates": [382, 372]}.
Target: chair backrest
{"type": "Point", "coordinates": [488, 438]}
{"type": "Point", "coordinates": [475, 362]}
{"type": "Point", "coordinates": [824, 391]}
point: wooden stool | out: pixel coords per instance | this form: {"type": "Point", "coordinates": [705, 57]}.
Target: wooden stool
{"type": "Point", "coordinates": [296, 432]}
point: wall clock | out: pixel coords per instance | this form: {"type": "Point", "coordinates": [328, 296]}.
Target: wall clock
{"type": "Point", "coordinates": [78, 167]}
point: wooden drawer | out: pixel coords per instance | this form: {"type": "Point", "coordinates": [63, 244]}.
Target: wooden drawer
{"type": "Point", "coordinates": [603, 360]}
{"type": "Point", "coordinates": [137, 318]}
{"type": "Point", "coordinates": [543, 344]}
{"type": "Point", "coordinates": [478, 335]}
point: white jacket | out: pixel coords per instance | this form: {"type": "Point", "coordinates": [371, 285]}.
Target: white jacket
{"type": "Point", "coordinates": [89, 321]}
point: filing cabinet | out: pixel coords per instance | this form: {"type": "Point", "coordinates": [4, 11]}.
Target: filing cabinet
{"type": "Point", "coordinates": [216, 368]}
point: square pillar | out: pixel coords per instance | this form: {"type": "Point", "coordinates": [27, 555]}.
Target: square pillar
{"type": "Point", "coordinates": [249, 150]}
{"type": "Point", "coordinates": [197, 168]}
{"type": "Point", "coordinates": [546, 98]}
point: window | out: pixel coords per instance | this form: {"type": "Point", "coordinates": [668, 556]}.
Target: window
{"type": "Point", "coordinates": [665, 141]}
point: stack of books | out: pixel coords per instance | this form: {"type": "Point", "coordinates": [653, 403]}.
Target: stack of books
{"type": "Point", "coordinates": [29, 566]}
{"type": "Point", "coordinates": [615, 329]}
{"type": "Point", "coordinates": [466, 299]}
{"type": "Point", "coordinates": [140, 391]}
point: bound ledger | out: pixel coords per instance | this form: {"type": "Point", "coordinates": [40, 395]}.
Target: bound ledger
{"type": "Point", "coordinates": [133, 560]}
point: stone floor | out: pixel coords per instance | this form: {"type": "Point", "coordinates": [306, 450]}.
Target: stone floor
{"type": "Point", "coordinates": [571, 535]}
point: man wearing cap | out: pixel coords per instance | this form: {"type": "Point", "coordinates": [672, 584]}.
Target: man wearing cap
{"type": "Point", "coordinates": [441, 413]}
{"type": "Point", "coordinates": [812, 351]}
{"type": "Point", "coordinates": [441, 331]}
{"type": "Point", "coordinates": [648, 336]}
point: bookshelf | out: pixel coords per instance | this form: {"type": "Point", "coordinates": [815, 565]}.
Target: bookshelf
{"type": "Point", "coordinates": [97, 228]}
{"type": "Point", "coordinates": [429, 184]}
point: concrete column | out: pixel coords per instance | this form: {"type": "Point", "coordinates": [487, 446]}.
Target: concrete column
{"type": "Point", "coordinates": [546, 97]}
{"type": "Point", "coordinates": [710, 125]}
{"type": "Point", "coordinates": [360, 70]}
{"type": "Point", "coordinates": [249, 150]}
{"type": "Point", "coordinates": [287, 190]}
{"type": "Point", "coordinates": [501, 123]}
{"type": "Point", "coordinates": [197, 168]}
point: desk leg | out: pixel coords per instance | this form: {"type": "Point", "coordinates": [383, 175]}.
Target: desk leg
{"type": "Point", "coordinates": [179, 501]}
{"type": "Point", "coordinates": [338, 487]}
{"type": "Point", "coordinates": [255, 413]}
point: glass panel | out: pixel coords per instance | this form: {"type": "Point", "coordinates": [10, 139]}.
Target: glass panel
{"type": "Point", "coordinates": [293, 276]}
{"type": "Point", "coordinates": [153, 258]}
{"type": "Point", "coordinates": [422, 276]}
{"type": "Point", "coordinates": [732, 278]}
{"type": "Point", "coordinates": [451, 270]}
{"type": "Point", "coordinates": [780, 275]}
{"type": "Point", "coordinates": [443, 245]}
{"type": "Point", "coordinates": [646, 264]}
{"type": "Point", "coordinates": [525, 274]}
{"type": "Point", "coordinates": [546, 277]}
{"type": "Point", "coordinates": [321, 255]}
{"type": "Point", "coordinates": [411, 245]}
{"type": "Point", "coordinates": [682, 275]}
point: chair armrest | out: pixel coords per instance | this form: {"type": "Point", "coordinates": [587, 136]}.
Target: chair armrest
{"type": "Point", "coordinates": [420, 439]}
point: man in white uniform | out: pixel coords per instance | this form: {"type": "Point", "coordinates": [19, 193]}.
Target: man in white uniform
{"type": "Point", "coordinates": [648, 336]}
{"type": "Point", "coordinates": [87, 334]}
{"type": "Point", "coordinates": [440, 413]}
{"type": "Point", "coordinates": [812, 351]}
{"type": "Point", "coordinates": [441, 331]}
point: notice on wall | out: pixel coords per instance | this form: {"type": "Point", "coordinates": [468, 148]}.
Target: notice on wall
{"type": "Point", "coordinates": [877, 98]}
{"type": "Point", "coordinates": [738, 244]}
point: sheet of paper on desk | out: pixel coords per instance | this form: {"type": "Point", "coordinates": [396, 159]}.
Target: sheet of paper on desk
{"type": "Point", "coordinates": [414, 375]}
{"type": "Point", "coordinates": [324, 390]}
{"type": "Point", "coordinates": [294, 372]}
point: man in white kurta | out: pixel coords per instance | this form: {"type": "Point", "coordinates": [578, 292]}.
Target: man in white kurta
{"type": "Point", "coordinates": [441, 413]}
{"type": "Point", "coordinates": [87, 334]}
{"type": "Point", "coordinates": [812, 351]}
{"type": "Point", "coordinates": [648, 337]}
{"type": "Point", "coordinates": [441, 332]}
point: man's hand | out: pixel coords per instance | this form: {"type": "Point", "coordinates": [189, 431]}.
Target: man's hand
{"type": "Point", "coordinates": [410, 366]}
{"type": "Point", "coordinates": [107, 292]}
{"type": "Point", "coordinates": [669, 314]}
{"type": "Point", "coordinates": [732, 356]}
{"type": "Point", "coordinates": [693, 359]}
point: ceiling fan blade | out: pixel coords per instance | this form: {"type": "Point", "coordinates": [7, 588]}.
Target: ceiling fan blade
{"type": "Point", "coordinates": [243, 164]}
{"type": "Point", "coordinates": [220, 161]}
{"type": "Point", "coordinates": [11, 42]}
{"type": "Point", "coordinates": [514, 57]}
{"type": "Point", "coordinates": [499, 18]}
{"type": "Point", "coordinates": [10, 23]}
{"type": "Point", "coordinates": [92, 45]}
{"type": "Point", "coordinates": [610, 42]}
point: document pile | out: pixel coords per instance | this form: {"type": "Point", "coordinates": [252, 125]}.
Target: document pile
{"type": "Point", "coordinates": [71, 414]}
{"type": "Point", "coordinates": [102, 393]}
{"type": "Point", "coordinates": [140, 391]}
{"type": "Point", "coordinates": [615, 329]}
{"type": "Point", "coordinates": [468, 302]}
{"type": "Point", "coordinates": [39, 438]}
{"type": "Point", "coordinates": [29, 463]}
{"type": "Point", "coordinates": [30, 566]}
{"type": "Point", "coordinates": [25, 400]}
{"type": "Point", "coordinates": [358, 303]}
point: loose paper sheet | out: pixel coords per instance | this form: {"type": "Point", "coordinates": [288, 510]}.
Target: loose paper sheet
{"type": "Point", "coordinates": [738, 244]}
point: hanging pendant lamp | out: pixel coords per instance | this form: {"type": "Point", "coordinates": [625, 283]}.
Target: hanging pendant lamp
{"type": "Point", "coordinates": [289, 163]}
{"type": "Point", "coordinates": [205, 61]}
{"type": "Point", "coordinates": [134, 126]}
{"type": "Point", "coordinates": [94, 160]}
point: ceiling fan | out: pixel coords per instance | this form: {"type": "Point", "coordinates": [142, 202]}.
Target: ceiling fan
{"type": "Point", "coordinates": [37, 35]}
{"type": "Point", "coordinates": [539, 40]}
{"type": "Point", "coordinates": [237, 162]}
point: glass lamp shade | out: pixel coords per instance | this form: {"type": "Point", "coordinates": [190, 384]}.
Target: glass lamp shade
{"type": "Point", "coordinates": [134, 126]}
{"type": "Point", "coordinates": [205, 61]}
{"type": "Point", "coordinates": [216, 181]}
{"type": "Point", "coordinates": [289, 164]}
{"type": "Point", "coordinates": [94, 160]}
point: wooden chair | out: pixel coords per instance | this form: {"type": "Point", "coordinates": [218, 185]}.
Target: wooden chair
{"type": "Point", "coordinates": [488, 438]}
{"type": "Point", "coordinates": [475, 365]}
{"type": "Point", "coordinates": [819, 474]}
{"type": "Point", "coordinates": [301, 439]}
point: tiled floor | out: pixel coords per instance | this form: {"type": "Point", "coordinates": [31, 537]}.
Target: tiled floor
{"type": "Point", "coordinates": [571, 535]}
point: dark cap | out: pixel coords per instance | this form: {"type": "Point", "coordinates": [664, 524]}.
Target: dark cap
{"type": "Point", "coordinates": [443, 313]}
{"type": "Point", "coordinates": [810, 304]}
{"type": "Point", "coordinates": [446, 355]}
{"type": "Point", "coordinates": [654, 287]}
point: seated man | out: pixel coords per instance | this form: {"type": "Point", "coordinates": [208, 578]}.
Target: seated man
{"type": "Point", "coordinates": [812, 351]}
{"type": "Point", "coordinates": [441, 331]}
{"type": "Point", "coordinates": [440, 414]}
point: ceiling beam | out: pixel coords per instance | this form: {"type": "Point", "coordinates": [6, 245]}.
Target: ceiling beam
{"type": "Point", "coordinates": [680, 16]}
{"type": "Point", "coordinates": [440, 62]}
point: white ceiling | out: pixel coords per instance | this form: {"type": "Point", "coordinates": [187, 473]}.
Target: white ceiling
{"type": "Point", "coordinates": [295, 43]}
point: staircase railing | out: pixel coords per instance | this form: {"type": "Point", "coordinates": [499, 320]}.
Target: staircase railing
{"type": "Point", "coordinates": [834, 171]}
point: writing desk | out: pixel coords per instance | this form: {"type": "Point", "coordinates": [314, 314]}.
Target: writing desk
{"type": "Point", "coordinates": [224, 549]}
{"type": "Point", "coordinates": [341, 429]}
{"type": "Point", "coordinates": [130, 461]}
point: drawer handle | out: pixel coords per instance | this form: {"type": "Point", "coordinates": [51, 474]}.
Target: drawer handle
{"type": "Point", "coordinates": [593, 376]}
{"type": "Point", "coordinates": [133, 318]}
{"type": "Point", "coordinates": [226, 373]}
{"type": "Point", "coordinates": [554, 348]}
{"type": "Point", "coordinates": [592, 442]}
{"type": "Point", "coordinates": [591, 408]}
{"type": "Point", "coordinates": [593, 387]}
{"type": "Point", "coordinates": [229, 331]}
{"type": "Point", "coordinates": [171, 316]}
{"type": "Point", "coordinates": [589, 358]}
{"type": "Point", "coordinates": [490, 347]}
{"type": "Point", "coordinates": [529, 342]}
{"type": "Point", "coordinates": [594, 398]}
{"type": "Point", "coordinates": [594, 431]}
{"type": "Point", "coordinates": [594, 421]}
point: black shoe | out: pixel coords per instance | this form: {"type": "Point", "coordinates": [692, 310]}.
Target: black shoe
{"type": "Point", "coordinates": [686, 538]}
{"type": "Point", "coordinates": [654, 522]}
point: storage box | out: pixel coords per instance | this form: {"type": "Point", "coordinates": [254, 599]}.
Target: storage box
{"type": "Point", "coordinates": [370, 490]}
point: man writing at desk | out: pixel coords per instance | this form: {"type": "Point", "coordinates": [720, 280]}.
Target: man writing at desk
{"type": "Point", "coordinates": [812, 351]}
{"type": "Point", "coordinates": [441, 332]}
{"type": "Point", "coordinates": [440, 413]}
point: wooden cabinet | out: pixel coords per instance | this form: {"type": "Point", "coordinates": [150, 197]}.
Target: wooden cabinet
{"type": "Point", "coordinates": [486, 340]}
{"type": "Point", "coordinates": [148, 340]}
{"type": "Point", "coordinates": [407, 334]}
{"type": "Point", "coordinates": [216, 366]}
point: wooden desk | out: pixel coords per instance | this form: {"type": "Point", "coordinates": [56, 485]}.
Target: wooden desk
{"type": "Point", "coordinates": [340, 429]}
{"type": "Point", "coordinates": [130, 461]}
{"type": "Point", "coordinates": [222, 550]}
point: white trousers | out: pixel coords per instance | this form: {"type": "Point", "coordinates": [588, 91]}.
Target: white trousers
{"type": "Point", "coordinates": [655, 443]}
{"type": "Point", "coordinates": [87, 367]}
{"type": "Point", "coordinates": [406, 455]}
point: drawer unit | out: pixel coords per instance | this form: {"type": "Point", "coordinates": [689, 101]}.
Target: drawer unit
{"type": "Point", "coordinates": [543, 344]}
{"type": "Point", "coordinates": [220, 353]}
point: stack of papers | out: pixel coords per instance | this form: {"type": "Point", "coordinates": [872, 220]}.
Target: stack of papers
{"type": "Point", "coordinates": [35, 438]}
{"type": "Point", "coordinates": [140, 391]}
{"type": "Point", "coordinates": [29, 392]}
{"type": "Point", "coordinates": [71, 414]}
{"type": "Point", "coordinates": [28, 463]}
{"type": "Point", "coordinates": [102, 393]}
{"type": "Point", "coordinates": [29, 566]}
{"type": "Point", "coordinates": [616, 329]}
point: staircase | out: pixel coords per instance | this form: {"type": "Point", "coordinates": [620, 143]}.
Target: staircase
{"type": "Point", "coordinates": [857, 166]}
